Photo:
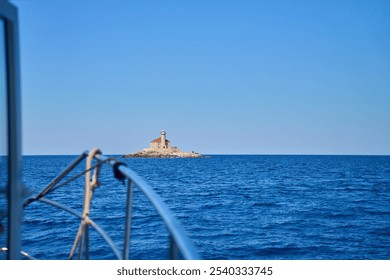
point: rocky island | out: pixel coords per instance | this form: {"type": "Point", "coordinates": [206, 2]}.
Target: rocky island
{"type": "Point", "coordinates": [161, 148]}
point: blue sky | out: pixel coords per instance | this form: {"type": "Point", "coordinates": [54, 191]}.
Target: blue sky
{"type": "Point", "coordinates": [230, 77]}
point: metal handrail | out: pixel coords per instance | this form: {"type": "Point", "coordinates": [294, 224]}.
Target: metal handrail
{"type": "Point", "coordinates": [178, 237]}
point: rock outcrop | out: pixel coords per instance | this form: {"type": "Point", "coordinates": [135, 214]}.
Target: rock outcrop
{"type": "Point", "coordinates": [161, 148]}
{"type": "Point", "coordinates": [158, 154]}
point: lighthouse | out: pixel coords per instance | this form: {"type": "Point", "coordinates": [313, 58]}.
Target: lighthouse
{"type": "Point", "coordinates": [161, 147]}
{"type": "Point", "coordinates": [163, 139]}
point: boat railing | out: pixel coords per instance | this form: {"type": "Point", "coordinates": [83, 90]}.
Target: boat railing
{"type": "Point", "coordinates": [180, 245]}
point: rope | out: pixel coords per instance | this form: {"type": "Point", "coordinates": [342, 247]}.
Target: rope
{"type": "Point", "coordinates": [90, 185]}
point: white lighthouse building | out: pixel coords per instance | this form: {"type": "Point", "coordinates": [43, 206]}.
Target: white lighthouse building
{"type": "Point", "coordinates": [161, 142]}
{"type": "Point", "coordinates": [162, 145]}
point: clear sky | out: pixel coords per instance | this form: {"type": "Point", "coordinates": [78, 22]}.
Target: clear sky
{"type": "Point", "coordinates": [221, 77]}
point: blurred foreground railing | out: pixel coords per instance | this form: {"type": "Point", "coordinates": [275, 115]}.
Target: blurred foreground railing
{"type": "Point", "coordinates": [180, 245]}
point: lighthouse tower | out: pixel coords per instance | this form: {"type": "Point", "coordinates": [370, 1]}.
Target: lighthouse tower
{"type": "Point", "coordinates": [163, 140]}
{"type": "Point", "coordinates": [161, 144]}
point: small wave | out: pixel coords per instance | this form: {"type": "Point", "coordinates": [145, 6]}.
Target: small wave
{"type": "Point", "coordinates": [377, 212]}
{"type": "Point", "coordinates": [265, 204]}
{"type": "Point", "coordinates": [338, 216]}
{"type": "Point", "coordinates": [290, 252]}
{"type": "Point", "coordinates": [381, 232]}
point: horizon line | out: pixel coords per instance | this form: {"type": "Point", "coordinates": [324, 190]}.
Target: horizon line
{"type": "Point", "coordinates": [234, 154]}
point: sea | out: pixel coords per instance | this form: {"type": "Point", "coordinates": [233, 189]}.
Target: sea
{"type": "Point", "coordinates": [232, 207]}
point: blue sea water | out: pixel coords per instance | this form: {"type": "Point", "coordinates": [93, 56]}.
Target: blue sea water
{"type": "Point", "coordinates": [232, 207]}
